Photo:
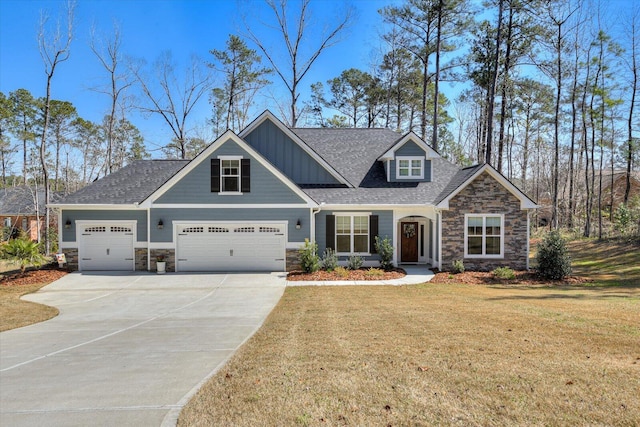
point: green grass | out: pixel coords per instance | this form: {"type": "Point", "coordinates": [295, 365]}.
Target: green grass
{"type": "Point", "coordinates": [607, 262]}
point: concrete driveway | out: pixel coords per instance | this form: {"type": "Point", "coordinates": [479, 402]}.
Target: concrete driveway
{"type": "Point", "coordinates": [127, 349]}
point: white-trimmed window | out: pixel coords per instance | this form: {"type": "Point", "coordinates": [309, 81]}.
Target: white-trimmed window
{"type": "Point", "coordinates": [409, 167]}
{"type": "Point", "coordinates": [230, 175]}
{"type": "Point", "coordinates": [352, 234]}
{"type": "Point", "coordinates": [484, 236]}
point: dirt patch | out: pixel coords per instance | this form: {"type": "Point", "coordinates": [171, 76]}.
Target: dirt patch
{"type": "Point", "coordinates": [488, 278]}
{"type": "Point", "coordinates": [350, 275]}
{"type": "Point", "coordinates": [45, 275]}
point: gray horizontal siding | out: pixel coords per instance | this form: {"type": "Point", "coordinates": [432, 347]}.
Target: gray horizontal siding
{"type": "Point", "coordinates": [69, 235]}
{"type": "Point", "coordinates": [195, 187]}
{"type": "Point", "coordinates": [291, 215]}
{"type": "Point", "coordinates": [385, 228]}
{"type": "Point", "coordinates": [287, 156]}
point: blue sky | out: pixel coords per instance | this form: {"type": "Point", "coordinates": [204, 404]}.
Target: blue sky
{"type": "Point", "coordinates": [149, 27]}
{"type": "Point", "coordinates": [184, 27]}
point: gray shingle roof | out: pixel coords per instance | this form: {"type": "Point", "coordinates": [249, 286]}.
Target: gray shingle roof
{"type": "Point", "coordinates": [354, 153]}
{"type": "Point", "coordinates": [22, 200]}
{"type": "Point", "coordinates": [131, 184]}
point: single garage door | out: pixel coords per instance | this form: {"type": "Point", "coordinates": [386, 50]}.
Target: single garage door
{"type": "Point", "coordinates": [106, 246]}
{"type": "Point", "coordinates": [231, 247]}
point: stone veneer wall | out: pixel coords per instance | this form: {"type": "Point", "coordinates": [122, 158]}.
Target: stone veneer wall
{"type": "Point", "coordinates": [141, 259]}
{"type": "Point", "coordinates": [169, 258]}
{"type": "Point", "coordinates": [485, 195]}
{"type": "Point", "coordinates": [292, 262]}
{"type": "Point", "coordinates": [71, 254]}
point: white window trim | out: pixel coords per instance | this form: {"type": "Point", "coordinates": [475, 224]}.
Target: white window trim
{"type": "Point", "coordinates": [231, 193]}
{"type": "Point", "coordinates": [484, 235]}
{"type": "Point", "coordinates": [351, 215]}
{"type": "Point", "coordinates": [410, 158]}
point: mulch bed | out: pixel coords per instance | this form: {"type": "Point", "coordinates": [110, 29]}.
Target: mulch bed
{"type": "Point", "coordinates": [488, 278]}
{"type": "Point", "coordinates": [30, 277]}
{"type": "Point", "coordinates": [360, 274]}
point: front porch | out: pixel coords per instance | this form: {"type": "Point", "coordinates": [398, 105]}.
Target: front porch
{"type": "Point", "coordinates": [415, 237]}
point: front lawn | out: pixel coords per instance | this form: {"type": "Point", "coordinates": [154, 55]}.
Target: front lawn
{"type": "Point", "coordinates": [441, 354]}
{"type": "Point", "coordinates": [15, 312]}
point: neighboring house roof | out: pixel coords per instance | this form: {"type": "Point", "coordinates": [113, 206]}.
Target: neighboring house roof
{"type": "Point", "coordinates": [129, 185]}
{"type": "Point", "coordinates": [21, 200]}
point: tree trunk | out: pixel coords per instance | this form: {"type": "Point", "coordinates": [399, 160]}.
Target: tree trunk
{"type": "Point", "coordinates": [436, 93]}
{"type": "Point", "coordinates": [492, 86]}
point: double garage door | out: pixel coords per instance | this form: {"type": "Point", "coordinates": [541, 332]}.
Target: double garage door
{"type": "Point", "coordinates": [230, 247]}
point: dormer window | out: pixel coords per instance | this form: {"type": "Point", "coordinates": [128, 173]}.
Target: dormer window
{"type": "Point", "coordinates": [409, 168]}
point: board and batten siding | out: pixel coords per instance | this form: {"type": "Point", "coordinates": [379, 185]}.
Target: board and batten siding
{"type": "Point", "coordinates": [410, 149]}
{"type": "Point", "coordinates": [385, 227]}
{"type": "Point", "coordinates": [69, 234]}
{"type": "Point", "coordinates": [195, 186]}
{"type": "Point", "coordinates": [168, 215]}
{"type": "Point", "coordinates": [287, 156]}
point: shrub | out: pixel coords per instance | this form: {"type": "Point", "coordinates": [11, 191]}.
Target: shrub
{"type": "Point", "coordinates": [329, 260]}
{"type": "Point", "coordinates": [504, 273]}
{"type": "Point", "coordinates": [374, 272]}
{"type": "Point", "coordinates": [342, 272]}
{"type": "Point", "coordinates": [354, 262]}
{"type": "Point", "coordinates": [457, 266]}
{"type": "Point", "coordinates": [385, 250]}
{"type": "Point", "coordinates": [23, 251]}
{"type": "Point", "coordinates": [554, 262]}
{"type": "Point", "coordinates": [309, 259]}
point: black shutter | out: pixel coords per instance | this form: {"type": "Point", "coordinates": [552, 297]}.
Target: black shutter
{"type": "Point", "coordinates": [373, 232]}
{"type": "Point", "coordinates": [215, 175]}
{"type": "Point", "coordinates": [331, 232]}
{"type": "Point", "coordinates": [245, 172]}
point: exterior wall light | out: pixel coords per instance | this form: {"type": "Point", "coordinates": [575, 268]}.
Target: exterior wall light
{"type": "Point", "coordinates": [67, 224]}
{"type": "Point", "coordinates": [298, 225]}
{"type": "Point", "coordinates": [160, 224]}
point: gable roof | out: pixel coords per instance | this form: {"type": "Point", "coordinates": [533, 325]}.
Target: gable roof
{"type": "Point", "coordinates": [207, 152]}
{"type": "Point", "coordinates": [130, 185]}
{"type": "Point", "coordinates": [352, 152]}
{"type": "Point", "coordinates": [467, 175]}
{"type": "Point", "coordinates": [411, 136]}
{"type": "Point", "coordinates": [267, 115]}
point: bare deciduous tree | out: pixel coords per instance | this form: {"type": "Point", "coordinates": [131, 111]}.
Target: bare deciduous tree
{"type": "Point", "coordinates": [54, 48]}
{"type": "Point", "coordinates": [108, 53]}
{"type": "Point", "coordinates": [173, 100]}
{"type": "Point", "coordinates": [294, 33]}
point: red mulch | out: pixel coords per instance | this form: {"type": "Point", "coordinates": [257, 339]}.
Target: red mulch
{"type": "Point", "coordinates": [360, 274]}
{"type": "Point", "coordinates": [488, 278]}
{"type": "Point", "coordinates": [30, 277]}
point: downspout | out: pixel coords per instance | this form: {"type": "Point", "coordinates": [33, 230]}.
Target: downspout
{"type": "Point", "coordinates": [439, 239]}
{"type": "Point", "coordinates": [529, 212]}
{"type": "Point", "coordinates": [314, 212]}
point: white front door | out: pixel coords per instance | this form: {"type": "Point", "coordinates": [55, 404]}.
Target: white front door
{"type": "Point", "coordinates": [106, 245]}
{"type": "Point", "coordinates": [217, 246]}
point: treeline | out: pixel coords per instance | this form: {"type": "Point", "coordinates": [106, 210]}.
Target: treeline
{"type": "Point", "coordinates": [543, 90]}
